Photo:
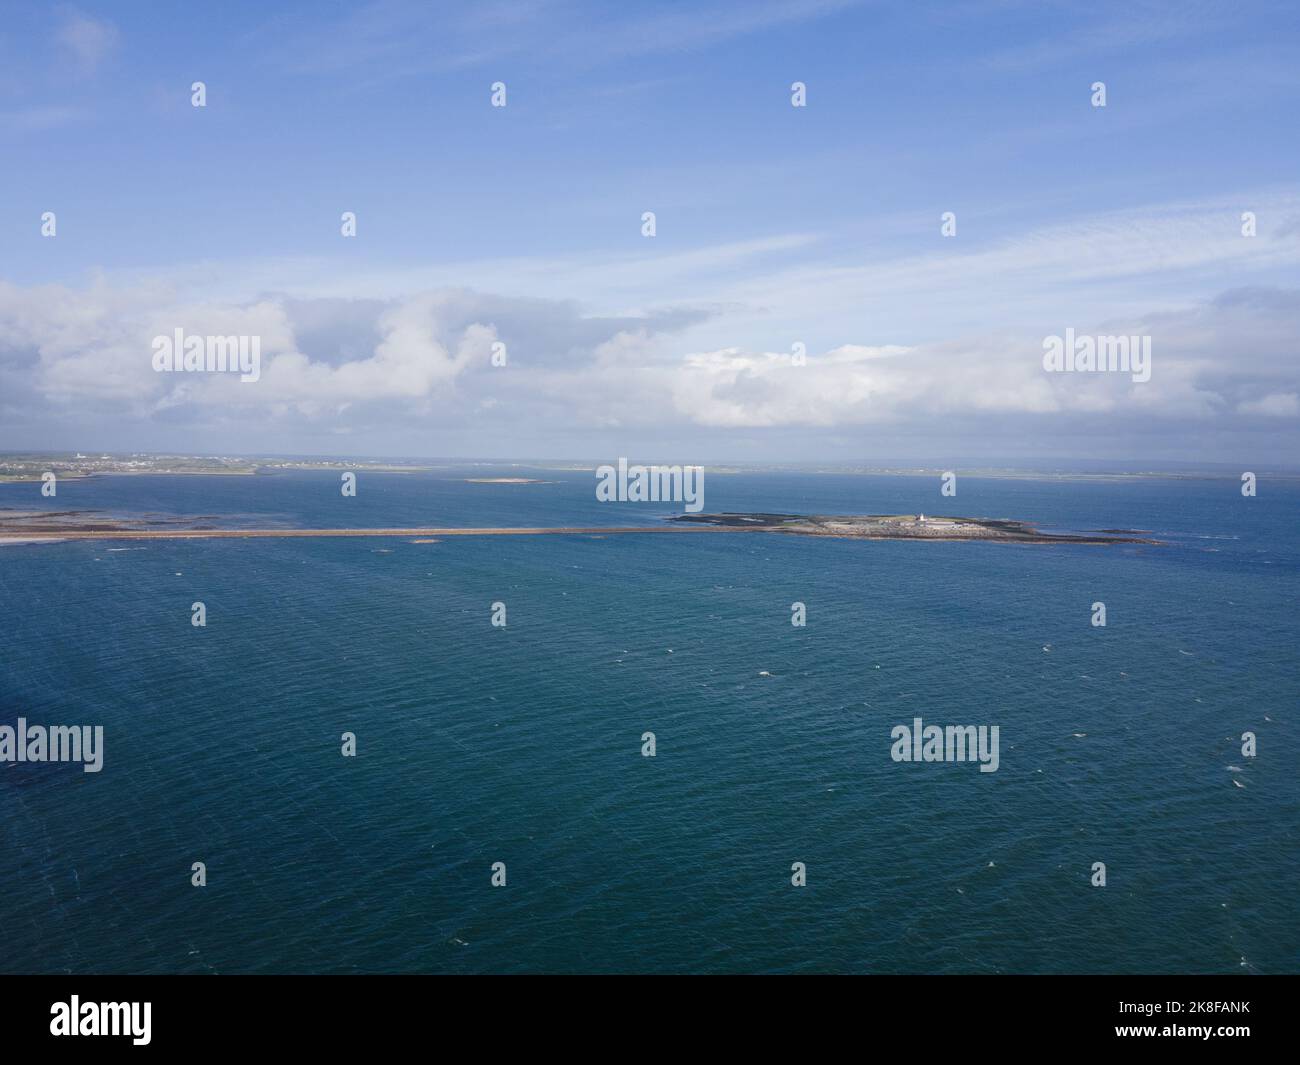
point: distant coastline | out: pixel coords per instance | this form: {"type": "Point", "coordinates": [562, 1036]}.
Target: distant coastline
{"type": "Point", "coordinates": [26, 467]}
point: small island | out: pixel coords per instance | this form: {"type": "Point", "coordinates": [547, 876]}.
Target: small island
{"type": "Point", "coordinates": [908, 527]}
{"type": "Point", "coordinates": [36, 526]}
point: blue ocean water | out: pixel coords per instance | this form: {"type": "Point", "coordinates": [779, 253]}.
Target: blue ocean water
{"type": "Point", "coordinates": [522, 745]}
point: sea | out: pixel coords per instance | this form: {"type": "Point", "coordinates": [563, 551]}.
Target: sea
{"type": "Point", "coordinates": [523, 744]}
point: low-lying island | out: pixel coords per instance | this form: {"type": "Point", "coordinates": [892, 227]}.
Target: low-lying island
{"type": "Point", "coordinates": [909, 527]}
{"type": "Point", "coordinates": [37, 527]}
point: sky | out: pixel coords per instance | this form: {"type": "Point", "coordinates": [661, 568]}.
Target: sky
{"type": "Point", "coordinates": [777, 229]}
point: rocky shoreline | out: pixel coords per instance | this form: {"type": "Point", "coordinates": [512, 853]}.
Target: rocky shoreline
{"type": "Point", "coordinates": [909, 527]}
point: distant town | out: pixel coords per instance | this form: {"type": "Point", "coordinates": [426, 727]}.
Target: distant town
{"type": "Point", "coordinates": [31, 466]}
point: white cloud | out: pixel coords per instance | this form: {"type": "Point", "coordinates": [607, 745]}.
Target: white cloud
{"type": "Point", "coordinates": [1231, 358]}
{"type": "Point", "coordinates": [1276, 405]}
{"type": "Point", "coordinates": [29, 119]}
{"type": "Point", "coordinates": [87, 40]}
{"type": "Point", "coordinates": [919, 344]}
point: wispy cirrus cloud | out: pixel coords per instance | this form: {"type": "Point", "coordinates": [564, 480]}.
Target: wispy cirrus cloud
{"type": "Point", "coordinates": [401, 38]}
{"type": "Point", "coordinates": [36, 118]}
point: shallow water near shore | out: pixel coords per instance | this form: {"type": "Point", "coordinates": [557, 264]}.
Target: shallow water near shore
{"type": "Point", "coordinates": [523, 745]}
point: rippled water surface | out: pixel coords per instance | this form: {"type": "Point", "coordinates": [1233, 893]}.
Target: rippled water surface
{"type": "Point", "coordinates": [523, 745]}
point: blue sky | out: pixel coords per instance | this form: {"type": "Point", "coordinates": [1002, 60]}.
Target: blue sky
{"type": "Point", "coordinates": [775, 225]}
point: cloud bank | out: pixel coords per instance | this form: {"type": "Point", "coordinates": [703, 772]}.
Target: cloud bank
{"type": "Point", "coordinates": [389, 370]}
